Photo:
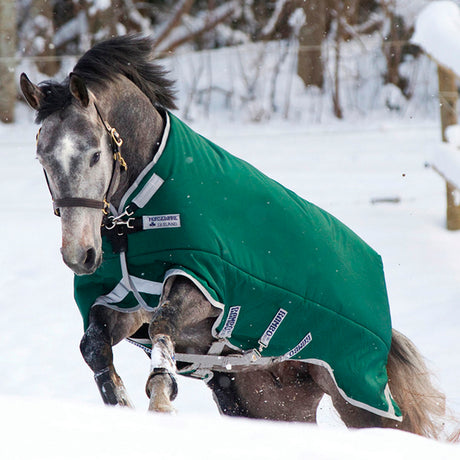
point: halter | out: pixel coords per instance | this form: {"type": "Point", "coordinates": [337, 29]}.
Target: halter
{"type": "Point", "coordinates": [118, 164]}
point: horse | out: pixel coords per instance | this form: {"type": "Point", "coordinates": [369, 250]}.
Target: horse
{"type": "Point", "coordinates": [102, 128]}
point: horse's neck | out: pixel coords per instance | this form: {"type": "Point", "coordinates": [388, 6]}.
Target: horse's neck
{"type": "Point", "coordinates": [141, 127]}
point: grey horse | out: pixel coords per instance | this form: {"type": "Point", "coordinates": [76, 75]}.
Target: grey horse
{"type": "Point", "coordinates": [117, 84]}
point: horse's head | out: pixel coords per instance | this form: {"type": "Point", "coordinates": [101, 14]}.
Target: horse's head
{"type": "Point", "coordinates": [79, 150]}
{"type": "Point", "coordinates": [76, 154]}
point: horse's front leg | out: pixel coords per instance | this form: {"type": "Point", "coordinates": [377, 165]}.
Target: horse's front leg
{"type": "Point", "coordinates": [161, 387]}
{"type": "Point", "coordinates": [107, 328]}
{"type": "Point", "coordinates": [182, 319]}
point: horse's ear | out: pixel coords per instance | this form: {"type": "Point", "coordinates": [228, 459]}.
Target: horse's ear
{"type": "Point", "coordinates": [78, 89]}
{"type": "Point", "coordinates": [32, 93]}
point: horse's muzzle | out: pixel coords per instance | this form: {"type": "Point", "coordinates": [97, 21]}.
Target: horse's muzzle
{"type": "Point", "coordinates": [83, 261]}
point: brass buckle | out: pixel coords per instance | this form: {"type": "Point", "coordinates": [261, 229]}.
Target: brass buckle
{"type": "Point", "coordinates": [116, 137]}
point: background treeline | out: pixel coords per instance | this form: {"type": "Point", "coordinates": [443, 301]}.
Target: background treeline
{"type": "Point", "coordinates": [46, 32]}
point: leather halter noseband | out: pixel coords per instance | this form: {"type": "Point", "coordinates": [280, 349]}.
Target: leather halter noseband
{"type": "Point", "coordinates": [118, 164]}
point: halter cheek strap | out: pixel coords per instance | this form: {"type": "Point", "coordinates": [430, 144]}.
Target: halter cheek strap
{"type": "Point", "coordinates": [118, 164]}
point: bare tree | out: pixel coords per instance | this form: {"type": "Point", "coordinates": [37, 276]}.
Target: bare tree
{"type": "Point", "coordinates": [394, 44]}
{"type": "Point", "coordinates": [7, 60]}
{"type": "Point", "coordinates": [37, 35]}
{"type": "Point", "coordinates": [311, 37]}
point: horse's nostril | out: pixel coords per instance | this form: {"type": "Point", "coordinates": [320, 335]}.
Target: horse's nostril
{"type": "Point", "coordinates": [81, 261]}
{"type": "Point", "coordinates": [90, 257]}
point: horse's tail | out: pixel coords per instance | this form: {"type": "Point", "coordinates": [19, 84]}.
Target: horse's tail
{"type": "Point", "coordinates": [422, 405]}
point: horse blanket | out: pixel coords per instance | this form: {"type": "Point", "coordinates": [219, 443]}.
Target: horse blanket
{"type": "Point", "coordinates": [290, 279]}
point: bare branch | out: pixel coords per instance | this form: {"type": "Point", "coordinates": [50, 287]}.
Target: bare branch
{"type": "Point", "coordinates": [374, 23]}
{"type": "Point", "coordinates": [183, 8]}
{"type": "Point", "coordinates": [209, 24]}
{"type": "Point", "coordinates": [275, 19]}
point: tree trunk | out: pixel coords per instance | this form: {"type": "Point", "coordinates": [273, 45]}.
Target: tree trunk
{"type": "Point", "coordinates": [392, 49]}
{"type": "Point", "coordinates": [7, 60]}
{"type": "Point", "coordinates": [311, 36]}
{"type": "Point", "coordinates": [448, 96]}
{"type": "Point", "coordinates": [339, 13]}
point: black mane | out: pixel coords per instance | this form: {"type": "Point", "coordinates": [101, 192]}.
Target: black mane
{"type": "Point", "coordinates": [130, 56]}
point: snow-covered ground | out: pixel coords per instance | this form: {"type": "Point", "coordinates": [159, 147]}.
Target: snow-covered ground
{"type": "Point", "coordinates": [372, 177]}
{"type": "Point", "coordinates": [44, 430]}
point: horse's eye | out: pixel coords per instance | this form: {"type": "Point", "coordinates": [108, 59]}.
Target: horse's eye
{"type": "Point", "coordinates": [95, 158]}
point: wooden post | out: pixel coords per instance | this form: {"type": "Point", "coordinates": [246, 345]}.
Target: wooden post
{"type": "Point", "coordinates": [448, 95]}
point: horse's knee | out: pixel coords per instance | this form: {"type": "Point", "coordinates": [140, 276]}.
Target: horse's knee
{"type": "Point", "coordinates": [96, 348]}
{"type": "Point", "coordinates": [163, 320]}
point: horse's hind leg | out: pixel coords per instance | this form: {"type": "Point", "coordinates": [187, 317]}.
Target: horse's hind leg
{"type": "Point", "coordinates": [226, 395]}
{"type": "Point", "coordinates": [352, 416]}
{"type": "Point", "coordinates": [284, 392]}
{"type": "Point", "coordinates": [106, 328]}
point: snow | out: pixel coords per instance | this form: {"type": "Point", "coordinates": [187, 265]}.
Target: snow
{"type": "Point", "coordinates": [437, 31]}
{"type": "Point", "coordinates": [446, 161]}
{"type": "Point", "coordinates": [370, 174]}
{"type": "Point", "coordinates": [74, 431]}
{"type": "Point", "coordinates": [99, 5]}
{"type": "Point", "coordinates": [407, 9]}
{"type": "Point", "coordinates": [446, 158]}
{"type": "Point", "coordinates": [453, 135]}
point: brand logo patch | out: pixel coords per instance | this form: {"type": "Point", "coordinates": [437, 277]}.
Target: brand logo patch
{"type": "Point", "coordinates": [163, 221]}
{"type": "Point", "coordinates": [230, 323]}
{"type": "Point", "coordinates": [272, 328]}
{"type": "Point", "coordinates": [300, 346]}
